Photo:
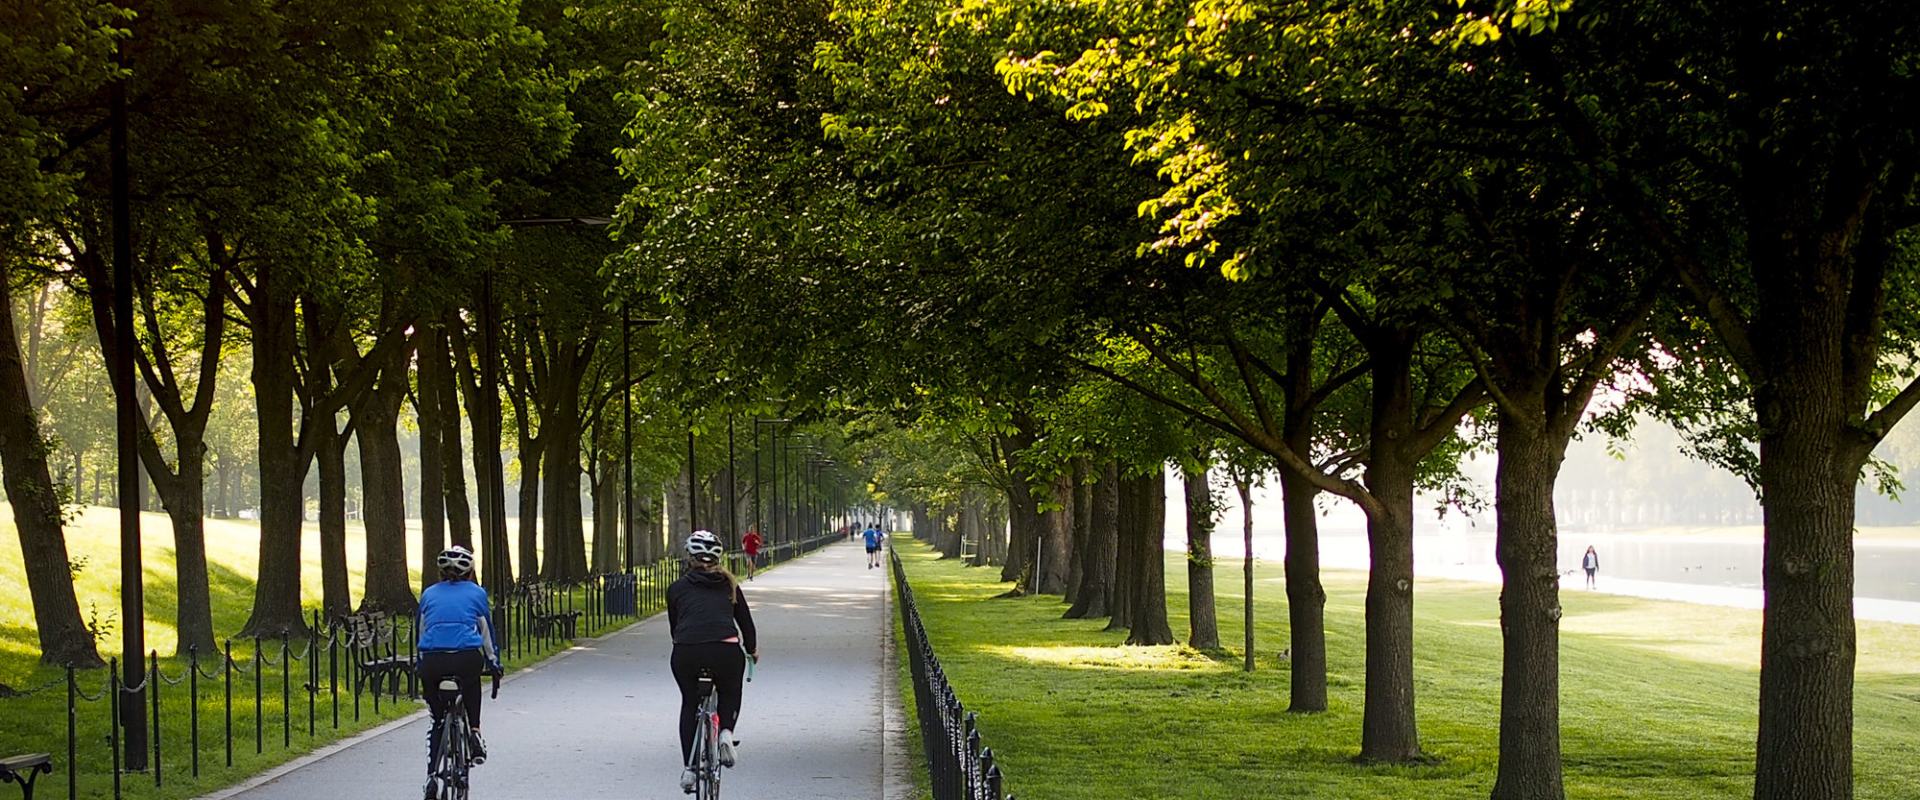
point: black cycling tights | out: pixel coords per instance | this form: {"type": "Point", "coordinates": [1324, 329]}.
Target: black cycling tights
{"type": "Point", "coordinates": [727, 664]}
{"type": "Point", "coordinates": [462, 664]}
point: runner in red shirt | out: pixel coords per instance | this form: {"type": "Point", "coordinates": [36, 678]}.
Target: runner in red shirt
{"type": "Point", "coordinates": [750, 544]}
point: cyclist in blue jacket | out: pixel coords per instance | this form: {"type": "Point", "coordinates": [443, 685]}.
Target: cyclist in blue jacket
{"type": "Point", "coordinates": [456, 641]}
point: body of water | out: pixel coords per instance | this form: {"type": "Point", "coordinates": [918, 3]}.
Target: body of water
{"type": "Point", "coordinates": [1882, 570]}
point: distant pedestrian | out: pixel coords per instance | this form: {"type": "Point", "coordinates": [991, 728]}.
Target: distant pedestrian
{"type": "Point", "coordinates": [750, 544]}
{"type": "Point", "coordinates": [874, 537]}
{"type": "Point", "coordinates": [1591, 563]}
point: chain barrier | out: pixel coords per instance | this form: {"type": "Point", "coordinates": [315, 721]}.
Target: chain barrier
{"type": "Point", "coordinates": [959, 766]}
{"type": "Point", "coordinates": [19, 693]}
{"type": "Point", "coordinates": [105, 686]}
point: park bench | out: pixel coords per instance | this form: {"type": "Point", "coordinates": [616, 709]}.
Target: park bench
{"type": "Point", "coordinates": [24, 770]}
{"type": "Point", "coordinates": [548, 618]}
{"type": "Point", "coordinates": [370, 644]}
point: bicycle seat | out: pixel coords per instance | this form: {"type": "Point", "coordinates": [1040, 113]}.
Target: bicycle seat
{"type": "Point", "coordinates": [449, 684]}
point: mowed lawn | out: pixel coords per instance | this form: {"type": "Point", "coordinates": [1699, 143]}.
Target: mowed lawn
{"type": "Point", "coordinates": [93, 542]}
{"type": "Point", "coordinates": [1658, 699]}
{"type": "Point", "coordinates": [33, 715]}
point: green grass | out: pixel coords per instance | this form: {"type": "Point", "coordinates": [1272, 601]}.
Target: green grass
{"type": "Point", "coordinates": [37, 721]}
{"type": "Point", "coordinates": [1657, 698]}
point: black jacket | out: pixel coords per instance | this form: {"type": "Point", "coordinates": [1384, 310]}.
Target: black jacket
{"type": "Point", "coordinates": [700, 610]}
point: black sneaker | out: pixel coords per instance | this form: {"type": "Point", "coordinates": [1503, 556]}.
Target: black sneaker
{"type": "Point", "coordinates": [479, 745]}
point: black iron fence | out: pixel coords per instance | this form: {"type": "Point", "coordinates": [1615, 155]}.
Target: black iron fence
{"type": "Point", "coordinates": [959, 767]}
{"type": "Point", "coordinates": [259, 694]}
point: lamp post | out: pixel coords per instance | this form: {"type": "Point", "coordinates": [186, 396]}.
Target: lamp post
{"type": "Point", "coordinates": [818, 517]}
{"type": "Point", "coordinates": [733, 491]}
{"type": "Point", "coordinates": [133, 614]}
{"type": "Point", "coordinates": [693, 505]}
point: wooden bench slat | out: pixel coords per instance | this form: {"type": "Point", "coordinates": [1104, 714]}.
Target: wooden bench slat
{"type": "Point", "coordinates": [25, 762]}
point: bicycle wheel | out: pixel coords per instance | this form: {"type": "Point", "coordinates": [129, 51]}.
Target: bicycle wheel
{"type": "Point", "coordinates": [453, 758]}
{"type": "Point", "coordinates": [710, 727]}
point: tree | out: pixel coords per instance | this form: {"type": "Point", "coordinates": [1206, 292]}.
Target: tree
{"type": "Point", "coordinates": [1203, 626]}
{"type": "Point", "coordinates": [1766, 161]}
{"type": "Point", "coordinates": [180, 482]}
{"type": "Point", "coordinates": [36, 501]}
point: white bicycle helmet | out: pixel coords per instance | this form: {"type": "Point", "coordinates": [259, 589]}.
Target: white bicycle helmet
{"type": "Point", "coordinates": [456, 558]}
{"type": "Point", "coordinates": [704, 547]}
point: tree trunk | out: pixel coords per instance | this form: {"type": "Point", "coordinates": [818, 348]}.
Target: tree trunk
{"type": "Point", "coordinates": [193, 612]}
{"type": "Point", "coordinates": [1080, 512]}
{"type": "Point", "coordinates": [453, 478]}
{"type": "Point", "coordinates": [1807, 647]}
{"type": "Point", "coordinates": [678, 505]}
{"type": "Point", "coordinates": [427, 410]}
{"type": "Point", "coordinates": [606, 515]}
{"type": "Point", "coordinates": [649, 540]}
{"type": "Point", "coordinates": [330, 451]}
{"type": "Point", "coordinates": [1389, 732]}
{"type": "Point", "coordinates": [1056, 538]}
{"type": "Point", "coordinates": [64, 639]}
{"type": "Point", "coordinates": [383, 488]}
{"type": "Point", "coordinates": [1203, 622]}
{"type": "Point", "coordinates": [1098, 583]}
{"type": "Point", "coordinates": [1306, 597]}
{"type": "Point", "coordinates": [1527, 548]}
{"type": "Point", "coordinates": [1244, 486]}
{"type": "Point", "coordinates": [1146, 529]}
{"type": "Point", "coordinates": [1023, 523]}
{"type": "Point", "coordinates": [489, 469]}
{"type": "Point", "coordinates": [283, 467]}
{"type": "Point", "coordinates": [530, 452]}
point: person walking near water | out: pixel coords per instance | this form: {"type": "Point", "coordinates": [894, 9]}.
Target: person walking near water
{"type": "Point", "coordinates": [1591, 563]}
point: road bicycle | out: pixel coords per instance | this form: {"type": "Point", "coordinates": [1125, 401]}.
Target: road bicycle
{"type": "Point", "coordinates": [452, 760]}
{"type": "Point", "coordinates": [705, 761]}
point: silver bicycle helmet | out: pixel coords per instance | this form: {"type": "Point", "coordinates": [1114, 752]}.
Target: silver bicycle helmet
{"type": "Point", "coordinates": [704, 547]}
{"type": "Point", "coordinates": [456, 558]}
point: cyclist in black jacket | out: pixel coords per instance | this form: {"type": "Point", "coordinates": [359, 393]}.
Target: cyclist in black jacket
{"type": "Point", "coordinates": [712, 631]}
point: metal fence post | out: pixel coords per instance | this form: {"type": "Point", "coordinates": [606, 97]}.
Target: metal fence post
{"type": "Point", "coordinates": [259, 713]}
{"type": "Point", "coordinates": [73, 724]}
{"type": "Point", "coordinates": [226, 668]}
{"type": "Point", "coordinates": [113, 722]}
{"type": "Point", "coordinates": [193, 705]}
{"type": "Point", "coordinates": [153, 692]}
{"type": "Point", "coordinates": [286, 692]}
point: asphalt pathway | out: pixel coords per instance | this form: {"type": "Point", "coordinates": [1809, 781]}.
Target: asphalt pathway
{"type": "Point", "coordinates": [820, 719]}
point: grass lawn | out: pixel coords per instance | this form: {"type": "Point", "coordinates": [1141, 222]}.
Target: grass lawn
{"type": "Point", "coordinates": [37, 721]}
{"type": "Point", "coordinates": [1657, 698]}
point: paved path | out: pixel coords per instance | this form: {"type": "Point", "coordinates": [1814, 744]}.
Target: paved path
{"type": "Point", "coordinates": [820, 718]}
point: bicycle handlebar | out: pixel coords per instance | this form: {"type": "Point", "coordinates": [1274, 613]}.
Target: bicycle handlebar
{"type": "Point", "coordinates": [496, 686]}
